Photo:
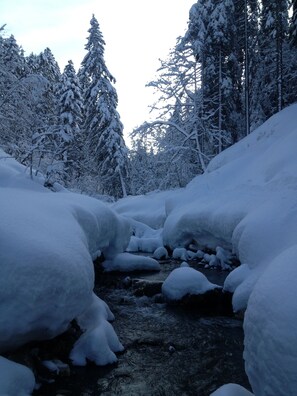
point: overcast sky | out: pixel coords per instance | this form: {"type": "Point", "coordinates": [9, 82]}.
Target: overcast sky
{"type": "Point", "coordinates": [137, 33]}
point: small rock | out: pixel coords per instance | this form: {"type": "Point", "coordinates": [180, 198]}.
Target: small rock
{"type": "Point", "coordinates": [171, 349]}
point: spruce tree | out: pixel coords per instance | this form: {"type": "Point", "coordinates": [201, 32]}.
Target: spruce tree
{"type": "Point", "coordinates": [103, 129]}
{"type": "Point", "coordinates": [67, 133]}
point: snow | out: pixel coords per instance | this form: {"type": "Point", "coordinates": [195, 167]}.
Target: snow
{"type": "Point", "coordinates": [47, 243]}
{"type": "Point", "coordinates": [15, 379]}
{"type": "Point", "coordinates": [183, 281]}
{"type": "Point", "coordinates": [245, 203]}
{"type": "Point", "coordinates": [270, 327]}
{"type": "Point", "coordinates": [127, 262]}
{"type": "Point", "coordinates": [160, 253]}
{"type": "Point", "coordinates": [99, 341]}
{"type": "Point", "coordinates": [148, 209]}
{"type": "Point", "coordinates": [231, 390]}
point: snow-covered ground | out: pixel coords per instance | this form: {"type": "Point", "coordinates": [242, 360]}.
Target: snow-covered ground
{"type": "Point", "coordinates": [246, 202]}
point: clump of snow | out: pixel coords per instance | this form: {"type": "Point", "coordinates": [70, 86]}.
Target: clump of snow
{"type": "Point", "coordinates": [160, 253]}
{"type": "Point", "coordinates": [185, 280]}
{"type": "Point", "coordinates": [127, 262]}
{"type": "Point", "coordinates": [231, 390]}
{"type": "Point", "coordinates": [145, 238]}
{"type": "Point", "coordinates": [56, 366]}
{"type": "Point", "coordinates": [15, 379]}
{"type": "Point", "coordinates": [146, 245]}
{"type": "Point", "coordinates": [180, 254]}
{"type": "Point", "coordinates": [98, 345]}
{"type": "Point", "coordinates": [223, 257]}
{"type": "Point", "coordinates": [99, 341]}
{"type": "Point", "coordinates": [184, 264]}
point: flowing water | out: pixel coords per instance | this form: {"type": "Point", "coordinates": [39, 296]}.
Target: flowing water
{"type": "Point", "coordinates": [168, 350]}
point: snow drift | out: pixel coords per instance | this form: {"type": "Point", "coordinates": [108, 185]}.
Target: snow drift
{"type": "Point", "coordinates": [246, 202]}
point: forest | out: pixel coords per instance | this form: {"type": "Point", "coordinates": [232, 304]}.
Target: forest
{"type": "Point", "coordinates": [233, 69]}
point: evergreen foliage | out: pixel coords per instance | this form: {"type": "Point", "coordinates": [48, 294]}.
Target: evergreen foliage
{"type": "Point", "coordinates": [106, 150]}
{"type": "Point", "coordinates": [234, 67]}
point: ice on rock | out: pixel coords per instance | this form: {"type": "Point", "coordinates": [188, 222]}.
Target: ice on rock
{"type": "Point", "coordinates": [183, 281]}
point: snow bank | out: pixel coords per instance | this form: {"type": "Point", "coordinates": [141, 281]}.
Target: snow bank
{"type": "Point", "coordinates": [246, 203]}
{"type": "Point", "coordinates": [47, 243]}
{"type": "Point", "coordinates": [15, 379]}
{"type": "Point", "coordinates": [183, 281]}
{"type": "Point", "coordinates": [271, 329]}
{"type": "Point", "coordinates": [148, 209]}
{"type": "Point", "coordinates": [126, 262]}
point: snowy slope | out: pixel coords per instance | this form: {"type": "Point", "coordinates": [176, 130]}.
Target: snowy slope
{"type": "Point", "coordinates": [47, 243]}
{"type": "Point", "coordinates": [247, 202]}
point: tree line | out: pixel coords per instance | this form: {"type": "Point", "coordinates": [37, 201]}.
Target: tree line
{"type": "Point", "coordinates": [234, 67]}
{"type": "Point", "coordinates": [63, 125]}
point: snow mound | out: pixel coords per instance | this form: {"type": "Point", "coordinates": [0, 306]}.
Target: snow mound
{"type": "Point", "coordinates": [231, 390]}
{"type": "Point", "coordinates": [47, 243]}
{"type": "Point", "coordinates": [15, 379]}
{"type": "Point", "coordinates": [183, 281]}
{"type": "Point", "coordinates": [126, 262]}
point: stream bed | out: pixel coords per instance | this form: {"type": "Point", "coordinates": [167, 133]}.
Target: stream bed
{"type": "Point", "coordinates": [168, 350]}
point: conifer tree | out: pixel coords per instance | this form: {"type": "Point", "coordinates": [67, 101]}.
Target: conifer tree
{"type": "Point", "coordinates": [67, 135]}
{"type": "Point", "coordinates": [102, 126]}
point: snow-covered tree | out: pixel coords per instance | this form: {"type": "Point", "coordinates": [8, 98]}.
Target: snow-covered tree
{"type": "Point", "coordinates": [272, 38]}
{"type": "Point", "coordinates": [107, 153]}
{"type": "Point", "coordinates": [66, 137]}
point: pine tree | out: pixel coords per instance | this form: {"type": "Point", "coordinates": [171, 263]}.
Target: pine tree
{"type": "Point", "coordinates": [102, 127]}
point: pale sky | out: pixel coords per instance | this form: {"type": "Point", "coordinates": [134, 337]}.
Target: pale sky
{"type": "Point", "coordinates": [137, 33]}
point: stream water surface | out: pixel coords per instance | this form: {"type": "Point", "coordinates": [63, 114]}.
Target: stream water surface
{"type": "Point", "coordinates": [168, 350]}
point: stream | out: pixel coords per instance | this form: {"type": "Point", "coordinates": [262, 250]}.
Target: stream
{"type": "Point", "coordinates": [169, 350]}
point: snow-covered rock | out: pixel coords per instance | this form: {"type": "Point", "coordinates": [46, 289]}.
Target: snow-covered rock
{"type": "Point", "coordinates": [183, 281]}
{"type": "Point", "coordinates": [231, 390]}
{"type": "Point", "coordinates": [160, 253]}
{"type": "Point", "coordinates": [127, 262]}
{"type": "Point", "coordinates": [180, 254]}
